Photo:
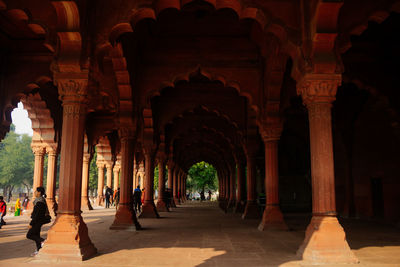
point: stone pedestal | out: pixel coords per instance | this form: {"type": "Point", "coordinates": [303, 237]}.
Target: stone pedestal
{"type": "Point", "coordinates": [272, 219]}
{"type": "Point", "coordinates": [68, 237]}
{"type": "Point", "coordinates": [251, 211]}
{"type": "Point", "coordinates": [325, 240]}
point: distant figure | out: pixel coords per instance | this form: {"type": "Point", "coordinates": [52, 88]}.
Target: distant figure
{"type": "Point", "coordinates": [209, 194]}
{"type": "Point", "coordinates": [3, 211]}
{"type": "Point", "coordinates": [137, 199]}
{"type": "Point", "coordinates": [202, 196]}
{"type": "Point", "coordinates": [25, 202]}
{"type": "Point", "coordinates": [17, 208]}
{"type": "Point", "coordinates": [40, 215]}
{"type": "Point", "coordinates": [108, 195]}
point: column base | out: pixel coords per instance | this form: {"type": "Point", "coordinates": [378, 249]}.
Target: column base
{"type": "Point", "coordinates": [325, 242]}
{"type": "Point", "coordinates": [85, 203]}
{"type": "Point", "coordinates": [149, 211]}
{"type": "Point", "coordinates": [231, 205]}
{"type": "Point", "coordinates": [240, 206]}
{"type": "Point", "coordinates": [176, 201]}
{"type": "Point", "coordinates": [125, 219]}
{"type": "Point", "coordinates": [272, 219]}
{"type": "Point", "coordinates": [222, 204]}
{"type": "Point", "coordinates": [67, 240]}
{"type": "Point", "coordinates": [100, 201]}
{"type": "Point", "coordinates": [251, 211]}
{"type": "Point", "coordinates": [52, 206]}
{"type": "Point", "coordinates": [162, 206]}
{"type": "Point", "coordinates": [173, 205]}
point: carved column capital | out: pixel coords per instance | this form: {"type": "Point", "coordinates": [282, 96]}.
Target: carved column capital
{"type": "Point", "coordinates": [86, 157]}
{"type": "Point", "coordinates": [51, 150]}
{"type": "Point", "coordinates": [38, 150]}
{"type": "Point", "coordinates": [126, 133]}
{"type": "Point", "coordinates": [271, 132]}
{"type": "Point", "coordinates": [319, 88]}
{"type": "Point", "coordinates": [100, 165]}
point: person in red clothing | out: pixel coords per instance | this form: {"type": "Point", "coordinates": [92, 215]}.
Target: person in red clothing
{"type": "Point", "coordinates": [3, 211]}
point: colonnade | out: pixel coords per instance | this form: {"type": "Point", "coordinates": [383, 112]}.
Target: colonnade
{"type": "Point", "coordinates": [324, 240]}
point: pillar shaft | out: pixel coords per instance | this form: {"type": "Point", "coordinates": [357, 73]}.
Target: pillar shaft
{"type": "Point", "coordinates": [116, 178]}
{"type": "Point", "coordinates": [240, 198]}
{"type": "Point", "coordinates": [109, 175]}
{"type": "Point", "coordinates": [251, 210]}
{"type": "Point", "coordinates": [149, 209]}
{"type": "Point", "coordinates": [325, 240]}
{"type": "Point", "coordinates": [85, 203]}
{"type": "Point", "coordinates": [51, 180]}
{"type": "Point", "coordinates": [272, 216]}
{"type": "Point", "coordinates": [68, 237]}
{"type": "Point", "coordinates": [100, 184]}
{"type": "Point", "coordinates": [125, 218]}
{"type": "Point", "coordinates": [38, 151]}
{"type": "Point", "coordinates": [161, 202]}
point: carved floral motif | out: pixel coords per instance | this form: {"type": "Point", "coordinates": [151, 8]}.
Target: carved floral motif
{"type": "Point", "coordinates": [319, 88]}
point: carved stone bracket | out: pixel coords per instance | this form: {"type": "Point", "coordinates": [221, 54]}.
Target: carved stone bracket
{"type": "Point", "coordinates": [72, 87]}
{"type": "Point", "coordinates": [318, 88]}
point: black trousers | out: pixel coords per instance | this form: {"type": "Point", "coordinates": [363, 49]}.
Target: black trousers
{"type": "Point", "coordinates": [107, 202]}
{"type": "Point", "coordinates": [34, 234]}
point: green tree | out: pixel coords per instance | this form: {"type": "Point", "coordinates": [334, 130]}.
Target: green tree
{"type": "Point", "coordinates": [93, 174]}
{"type": "Point", "coordinates": [16, 161]}
{"type": "Point", "coordinates": [202, 176]}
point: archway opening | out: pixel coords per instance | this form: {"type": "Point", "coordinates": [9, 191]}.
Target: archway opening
{"type": "Point", "coordinates": [202, 182]}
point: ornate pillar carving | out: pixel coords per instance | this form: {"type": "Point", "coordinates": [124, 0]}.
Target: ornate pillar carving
{"type": "Point", "coordinates": [161, 203]}
{"type": "Point", "coordinates": [125, 218]}
{"type": "Point", "coordinates": [241, 194]}
{"type": "Point", "coordinates": [68, 237]}
{"type": "Point", "coordinates": [251, 210]}
{"type": "Point", "coordinates": [100, 184]}
{"type": "Point", "coordinates": [325, 240]}
{"type": "Point", "coordinates": [51, 180]}
{"type": "Point", "coordinates": [272, 216]}
{"type": "Point", "coordinates": [149, 208]}
{"type": "Point", "coordinates": [85, 202]}
{"type": "Point", "coordinates": [38, 151]}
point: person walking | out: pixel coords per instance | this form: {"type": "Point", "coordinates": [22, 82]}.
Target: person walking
{"type": "Point", "coordinates": [17, 208]}
{"type": "Point", "coordinates": [3, 211]}
{"type": "Point", "coordinates": [108, 194]}
{"type": "Point", "coordinates": [40, 215]}
{"type": "Point", "coordinates": [137, 202]}
{"type": "Point", "coordinates": [116, 198]}
{"type": "Point", "coordinates": [25, 203]}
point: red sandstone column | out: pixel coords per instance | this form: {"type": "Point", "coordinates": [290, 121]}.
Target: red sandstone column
{"type": "Point", "coordinates": [100, 184]}
{"type": "Point", "coordinates": [251, 210]}
{"type": "Point", "coordinates": [161, 203]}
{"type": "Point", "coordinates": [272, 216]}
{"type": "Point", "coordinates": [178, 186]}
{"type": "Point", "coordinates": [38, 151]}
{"type": "Point", "coordinates": [149, 208]}
{"type": "Point", "coordinates": [125, 218]}
{"type": "Point", "coordinates": [240, 199]}
{"type": "Point", "coordinates": [116, 177]}
{"type": "Point", "coordinates": [175, 186]}
{"type": "Point", "coordinates": [171, 181]}
{"type": "Point", "coordinates": [109, 175]}
{"type": "Point", "coordinates": [325, 240]}
{"type": "Point", "coordinates": [85, 202]}
{"type": "Point", "coordinates": [68, 237]}
{"type": "Point", "coordinates": [51, 179]}
{"type": "Point", "coordinates": [232, 188]}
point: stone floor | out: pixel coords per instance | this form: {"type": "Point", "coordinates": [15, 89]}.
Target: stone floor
{"type": "Point", "coordinates": [200, 234]}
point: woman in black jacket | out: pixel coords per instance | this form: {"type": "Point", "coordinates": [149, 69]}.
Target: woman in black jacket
{"type": "Point", "coordinates": [40, 216]}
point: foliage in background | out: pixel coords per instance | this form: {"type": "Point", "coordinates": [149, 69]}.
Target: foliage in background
{"type": "Point", "coordinates": [93, 174]}
{"type": "Point", "coordinates": [202, 176]}
{"type": "Point", "coordinates": [16, 161]}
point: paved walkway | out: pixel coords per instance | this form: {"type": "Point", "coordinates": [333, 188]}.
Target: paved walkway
{"type": "Point", "coordinates": [200, 234]}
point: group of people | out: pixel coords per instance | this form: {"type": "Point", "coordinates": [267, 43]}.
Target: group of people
{"type": "Point", "coordinates": [112, 197]}
{"type": "Point", "coordinates": [40, 216]}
